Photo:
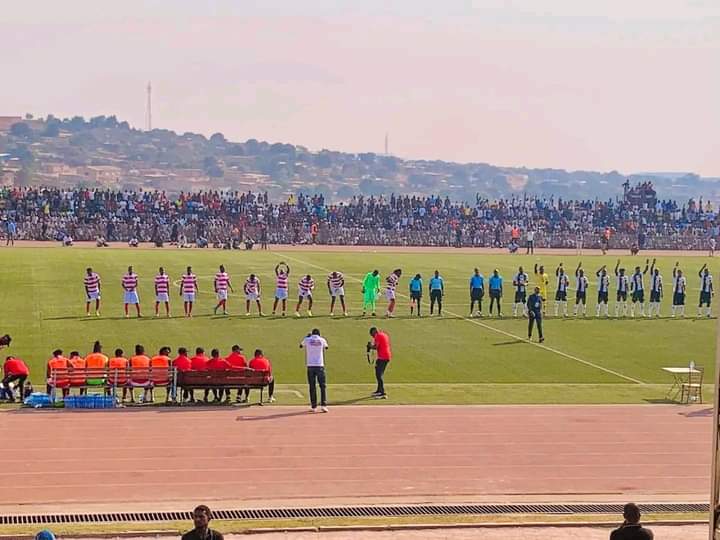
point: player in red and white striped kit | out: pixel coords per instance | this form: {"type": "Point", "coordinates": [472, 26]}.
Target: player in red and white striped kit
{"type": "Point", "coordinates": [92, 291]}
{"type": "Point", "coordinates": [188, 288]}
{"type": "Point", "coordinates": [305, 289]}
{"type": "Point", "coordinates": [252, 293]}
{"type": "Point", "coordinates": [162, 292]}
{"type": "Point", "coordinates": [222, 284]}
{"type": "Point", "coordinates": [130, 284]}
{"type": "Point", "coordinates": [282, 274]}
{"type": "Point", "coordinates": [391, 284]}
{"type": "Point", "coordinates": [336, 288]}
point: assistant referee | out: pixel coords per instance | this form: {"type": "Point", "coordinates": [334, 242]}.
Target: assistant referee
{"type": "Point", "coordinates": [315, 347]}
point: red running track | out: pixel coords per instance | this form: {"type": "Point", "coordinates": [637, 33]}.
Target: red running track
{"type": "Point", "coordinates": [386, 452]}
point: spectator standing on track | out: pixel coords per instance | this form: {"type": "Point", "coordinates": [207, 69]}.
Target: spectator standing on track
{"type": "Point", "coordinates": [530, 242]}
{"type": "Point", "coordinates": [496, 290]}
{"type": "Point", "coordinates": [631, 528]}
{"type": "Point", "coordinates": [477, 291]}
{"type": "Point", "coordinates": [202, 530]}
{"type": "Point", "coordinates": [534, 309]}
{"type": "Point", "coordinates": [380, 344]}
{"type": "Point", "coordinates": [315, 346]}
{"type": "Point", "coordinates": [437, 291]}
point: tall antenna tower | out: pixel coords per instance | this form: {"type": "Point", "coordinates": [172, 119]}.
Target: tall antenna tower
{"type": "Point", "coordinates": [148, 108]}
{"type": "Point", "coordinates": [386, 144]}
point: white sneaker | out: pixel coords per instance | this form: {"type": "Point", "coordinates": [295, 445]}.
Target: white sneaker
{"type": "Point", "coordinates": [324, 409]}
{"type": "Point", "coordinates": [297, 313]}
{"type": "Point", "coordinates": [271, 400]}
{"type": "Point", "coordinates": [313, 409]}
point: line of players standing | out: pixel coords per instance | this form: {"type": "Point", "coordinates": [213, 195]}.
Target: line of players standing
{"type": "Point", "coordinates": [625, 285]}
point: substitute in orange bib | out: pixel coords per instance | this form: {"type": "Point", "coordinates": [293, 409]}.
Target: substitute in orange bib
{"type": "Point", "coordinates": [381, 344]}
{"type": "Point", "coordinates": [58, 362]}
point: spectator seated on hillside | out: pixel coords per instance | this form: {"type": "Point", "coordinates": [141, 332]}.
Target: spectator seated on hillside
{"type": "Point", "coordinates": [101, 242]}
{"type": "Point", "coordinates": [182, 242]}
{"type": "Point", "coordinates": [634, 249]}
{"type": "Point", "coordinates": [249, 243]}
{"type": "Point", "coordinates": [513, 246]}
{"type": "Point", "coordinates": [236, 243]}
{"type": "Point", "coordinates": [133, 242]}
{"type": "Point", "coordinates": [227, 244]}
{"type": "Point", "coordinates": [67, 240]}
{"type": "Point", "coordinates": [201, 242]}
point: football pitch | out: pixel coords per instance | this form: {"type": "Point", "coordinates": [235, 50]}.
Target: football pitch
{"type": "Point", "coordinates": [448, 360]}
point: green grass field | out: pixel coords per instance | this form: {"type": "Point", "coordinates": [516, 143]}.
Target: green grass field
{"type": "Point", "coordinates": [437, 360]}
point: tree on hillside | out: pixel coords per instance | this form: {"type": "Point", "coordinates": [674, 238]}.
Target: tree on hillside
{"type": "Point", "coordinates": [21, 129]}
{"type": "Point", "coordinates": [218, 139]}
{"type": "Point", "coordinates": [52, 129]}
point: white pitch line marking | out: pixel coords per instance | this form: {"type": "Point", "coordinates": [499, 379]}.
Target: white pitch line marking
{"type": "Point", "coordinates": [498, 331]}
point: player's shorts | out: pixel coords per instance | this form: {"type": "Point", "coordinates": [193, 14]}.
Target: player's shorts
{"type": "Point", "coordinates": [189, 297]}
{"type": "Point", "coordinates": [305, 294]}
{"type": "Point", "coordinates": [602, 297]}
{"type": "Point", "coordinates": [337, 291]}
{"type": "Point", "coordinates": [622, 296]}
{"type": "Point", "coordinates": [655, 296]}
{"type": "Point", "coordinates": [222, 294]}
{"type": "Point", "coordinates": [520, 297]}
{"type": "Point", "coordinates": [495, 293]}
{"type": "Point", "coordinates": [162, 297]}
{"type": "Point", "coordinates": [705, 298]}
{"type": "Point", "coordinates": [436, 294]}
{"type": "Point", "coordinates": [415, 295]}
{"type": "Point", "coordinates": [477, 294]}
{"type": "Point", "coordinates": [252, 296]}
{"type": "Point", "coordinates": [131, 297]}
{"type": "Point", "coordinates": [281, 294]}
{"type": "Point", "coordinates": [93, 295]}
{"type": "Point", "coordinates": [581, 297]}
{"type": "Point", "coordinates": [679, 299]}
{"type": "Point", "coordinates": [638, 296]}
{"type": "Point", "coordinates": [561, 296]}
{"type": "Point", "coordinates": [389, 294]}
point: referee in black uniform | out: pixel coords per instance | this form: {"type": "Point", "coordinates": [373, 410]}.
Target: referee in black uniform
{"type": "Point", "coordinates": [534, 305]}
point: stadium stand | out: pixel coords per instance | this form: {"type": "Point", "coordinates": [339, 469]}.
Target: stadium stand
{"type": "Point", "coordinates": [230, 219]}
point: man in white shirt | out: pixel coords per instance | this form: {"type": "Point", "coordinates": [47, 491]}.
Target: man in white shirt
{"type": "Point", "coordinates": [315, 347]}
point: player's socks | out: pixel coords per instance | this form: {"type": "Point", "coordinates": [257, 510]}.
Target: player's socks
{"type": "Point", "coordinates": [699, 311]}
{"type": "Point", "coordinates": [575, 310]}
{"type": "Point", "coordinates": [565, 309]}
{"type": "Point", "coordinates": [557, 308]}
{"type": "Point", "coordinates": [708, 311]}
{"type": "Point", "coordinates": [617, 310]}
{"type": "Point", "coordinates": [682, 311]}
{"type": "Point", "coordinates": [632, 310]}
{"type": "Point", "coordinates": [642, 310]}
{"type": "Point", "coordinates": [597, 310]}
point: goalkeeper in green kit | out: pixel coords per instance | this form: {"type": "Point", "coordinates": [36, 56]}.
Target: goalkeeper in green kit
{"type": "Point", "coordinates": [371, 288]}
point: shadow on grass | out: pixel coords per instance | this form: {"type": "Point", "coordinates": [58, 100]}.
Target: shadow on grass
{"type": "Point", "coordinates": [273, 416]}
{"type": "Point", "coordinates": [662, 401]}
{"type": "Point", "coordinates": [352, 401]}
{"type": "Point", "coordinates": [513, 342]}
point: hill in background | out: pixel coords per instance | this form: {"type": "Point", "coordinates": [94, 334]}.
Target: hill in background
{"type": "Point", "coordinates": [106, 152]}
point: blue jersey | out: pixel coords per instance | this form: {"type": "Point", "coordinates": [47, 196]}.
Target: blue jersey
{"type": "Point", "coordinates": [477, 282]}
{"type": "Point", "coordinates": [416, 285]}
{"type": "Point", "coordinates": [495, 283]}
{"type": "Point", "coordinates": [436, 283]}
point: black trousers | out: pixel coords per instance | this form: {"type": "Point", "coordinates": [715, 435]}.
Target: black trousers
{"type": "Point", "coordinates": [436, 296]}
{"type": "Point", "coordinates": [534, 320]}
{"type": "Point", "coordinates": [21, 384]}
{"type": "Point", "coordinates": [380, 367]}
{"type": "Point", "coordinates": [316, 376]}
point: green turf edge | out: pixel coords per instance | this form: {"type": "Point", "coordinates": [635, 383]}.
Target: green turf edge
{"type": "Point", "coordinates": [244, 527]}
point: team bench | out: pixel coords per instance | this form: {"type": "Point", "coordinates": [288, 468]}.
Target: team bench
{"type": "Point", "coordinates": [111, 379]}
{"type": "Point", "coordinates": [234, 379]}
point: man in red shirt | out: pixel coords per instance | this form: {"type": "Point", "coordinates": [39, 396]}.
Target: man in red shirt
{"type": "Point", "coordinates": [198, 363]}
{"type": "Point", "coordinates": [260, 363]}
{"type": "Point", "coordinates": [237, 361]}
{"type": "Point", "coordinates": [182, 363]}
{"type": "Point", "coordinates": [381, 344]}
{"type": "Point", "coordinates": [15, 370]}
{"type": "Point", "coordinates": [218, 363]}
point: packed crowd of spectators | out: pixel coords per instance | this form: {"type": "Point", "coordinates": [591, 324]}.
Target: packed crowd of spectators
{"type": "Point", "coordinates": [230, 218]}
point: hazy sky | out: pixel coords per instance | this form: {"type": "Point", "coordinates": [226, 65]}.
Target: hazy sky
{"type": "Point", "coordinates": [630, 85]}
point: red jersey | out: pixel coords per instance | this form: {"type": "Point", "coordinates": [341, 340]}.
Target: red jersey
{"type": "Point", "coordinates": [217, 364]}
{"type": "Point", "coordinates": [236, 360]}
{"type": "Point", "coordinates": [382, 342]}
{"type": "Point", "coordinates": [199, 363]}
{"type": "Point", "coordinates": [260, 363]}
{"type": "Point", "coordinates": [182, 363]}
{"type": "Point", "coordinates": [15, 366]}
